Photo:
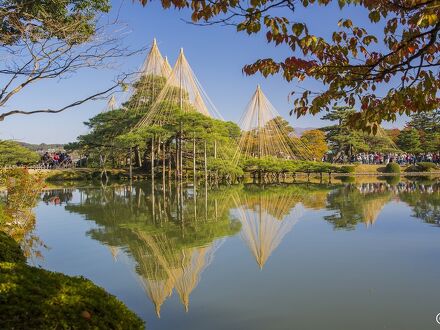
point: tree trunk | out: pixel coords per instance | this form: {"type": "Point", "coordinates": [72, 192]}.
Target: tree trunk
{"type": "Point", "coordinates": [137, 156]}
{"type": "Point", "coordinates": [131, 166]}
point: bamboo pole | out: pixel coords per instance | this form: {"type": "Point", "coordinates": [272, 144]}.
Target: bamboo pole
{"type": "Point", "coordinates": [177, 157]}
{"type": "Point", "coordinates": [181, 153]}
{"type": "Point", "coordinates": [206, 167]}
{"type": "Point", "coordinates": [194, 162]}
{"type": "Point", "coordinates": [163, 166]}
{"type": "Point", "coordinates": [152, 158]}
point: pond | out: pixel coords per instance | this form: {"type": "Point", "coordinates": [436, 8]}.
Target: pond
{"type": "Point", "coordinates": [304, 256]}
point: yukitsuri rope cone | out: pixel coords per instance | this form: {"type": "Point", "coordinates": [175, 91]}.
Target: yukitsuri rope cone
{"type": "Point", "coordinates": [149, 82]}
{"type": "Point", "coordinates": [112, 104]}
{"type": "Point", "coordinates": [266, 134]}
{"type": "Point", "coordinates": [182, 92]}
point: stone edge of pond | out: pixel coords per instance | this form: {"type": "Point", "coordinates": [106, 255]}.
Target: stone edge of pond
{"type": "Point", "coordinates": [34, 298]}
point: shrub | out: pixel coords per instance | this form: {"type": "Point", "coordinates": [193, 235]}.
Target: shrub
{"type": "Point", "coordinates": [422, 167]}
{"type": "Point", "coordinates": [34, 298]}
{"type": "Point", "coordinates": [390, 179]}
{"type": "Point", "coordinates": [347, 169]}
{"type": "Point", "coordinates": [426, 166]}
{"type": "Point", "coordinates": [346, 179]}
{"type": "Point", "coordinates": [10, 251]}
{"type": "Point", "coordinates": [392, 168]}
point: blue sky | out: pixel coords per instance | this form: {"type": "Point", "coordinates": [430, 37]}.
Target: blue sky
{"type": "Point", "coordinates": [216, 54]}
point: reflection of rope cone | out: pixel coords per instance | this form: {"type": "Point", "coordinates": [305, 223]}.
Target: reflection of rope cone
{"type": "Point", "coordinates": [158, 291]}
{"type": "Point", "coordinates": [371, 208]}
{"type": "Point", "coordinates": [194, 262]}
{"type": "Point", "coordinates": [266, 133]}
{"type": "Point", "coordinates": [173, 268]}
{"type": "Point", "coordinates": [114, 251]}
{"type": "Point", "coordinates": [261, 230]}
{"type": "Point", "coordinates": [182, 90]}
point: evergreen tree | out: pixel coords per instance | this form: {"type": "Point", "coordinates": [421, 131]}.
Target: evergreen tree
{"type": "Point", "coordinates": [343, 140]}
{"type": "Point", "coordinates": [428, 122]}
{"type": "Point", "coordinates": [428, 126]}
{"type": "Point", "coordinates": [12, 153]}
{"type": "Point", "coordinates": [409, 141]}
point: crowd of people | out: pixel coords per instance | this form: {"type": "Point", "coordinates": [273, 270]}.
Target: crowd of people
{"type": "Point", "coordinates": [56, 159]}
{"type": "Point", "coordinates": [378, 158]}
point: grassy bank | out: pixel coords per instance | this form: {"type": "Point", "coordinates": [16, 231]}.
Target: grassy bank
{"type": "Point", "coordinates": [33, 298]}
{"type": "Point", "coordinates": [90, 174]}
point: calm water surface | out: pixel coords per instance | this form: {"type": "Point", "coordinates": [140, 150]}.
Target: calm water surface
{"type": "Point", "coordinates": [352, 256]}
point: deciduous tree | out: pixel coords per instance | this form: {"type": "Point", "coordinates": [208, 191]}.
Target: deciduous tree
{"type": "Point", "coordinates": [354, 64]}
{"type": "Point", "coordinates": [46, 40]}
{"type": "Point", "coordinates": [315, 140]}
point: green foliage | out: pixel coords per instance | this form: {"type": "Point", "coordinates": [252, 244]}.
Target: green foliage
{"type": "Point", "coordinates": [344, 140]}
{"type": "Point", "coordinates": [426, 121]}
{"type": "Point", "coordinates": [314, 140]}
{"type": "Point", "coordinates": [12, 153]}
{"type": "Point", "coordinates": [224, 167]}
{"type": "Point", "coordinates": [425, 205]}
{"type": "Point", "coordinates": [427, 166]}
{"type": "Point", "coordinates": [353, 207]}
{"type": "Point", "coordinates": [347, 169]}
{"type": "Point", "coordinates": [430, 142]}
{"type": "Point", "coordinates": [17, 218]}
{"type": "Point", "coordinates": [409, 141]}
{"type": "Point", "coordinates": [113, 133]}
{"type": "Point", "coordinates": [33, 298]}
{"type": "Point", "coordinates": [70, 20]}
{"type": "Point", "coordinates": [423, 167]}
{"type": "Point", "coordinates": [392, 168]}
{"type": "Point", "coordinates": [390, 179]}
{"type": "Point", "coordinates": [10, 251]}
{"type": "Point", "coordinates": [276, 165]}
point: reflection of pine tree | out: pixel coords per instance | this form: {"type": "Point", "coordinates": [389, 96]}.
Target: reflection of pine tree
{"type": "Point", "coordinates": [172, 238]}
{"type": "Point", "coordinates": [17, 218]}
{"type": "Point", "coordinates": [352, 207]}
{"type": "Point", "coordinates": [425, 204]}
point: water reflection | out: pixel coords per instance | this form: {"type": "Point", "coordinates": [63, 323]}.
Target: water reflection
{"type": "Point", "coordinates": [172, 232]}
{"type": "Point", "coordinates": [172, 236]}
{"type": "Point", "coordinates": [268, 215]}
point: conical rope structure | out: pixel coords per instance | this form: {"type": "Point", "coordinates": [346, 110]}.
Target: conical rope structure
{"type": "Point", "coordinates": [383, 134]}
{"type": "Point", "coordinates": [166, 69]}
{"type": "Point", "coordinates": [112, 104]}
{"type": "Point", "coordinates": [182, 91]}
{"type": "Point", "coordinates": [149, 82]}
{"type": "Point", "coordinates": [154, 63]}
{"type": "Point", "coordinates": [265, 222]}
{"type": "Point", "coordinates": [265, 133]}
